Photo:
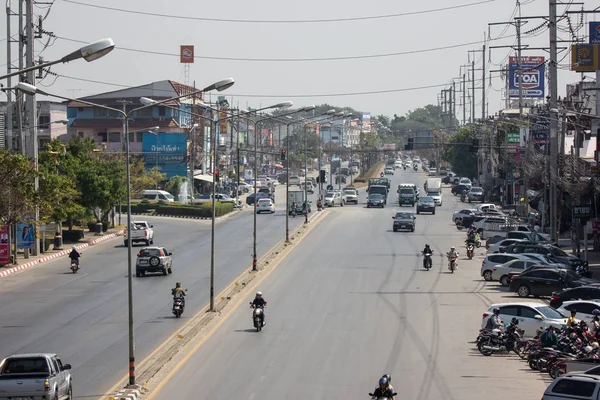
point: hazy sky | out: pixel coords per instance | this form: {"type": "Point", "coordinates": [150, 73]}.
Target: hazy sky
{"type": "Point", "coordinates": [304, 82]}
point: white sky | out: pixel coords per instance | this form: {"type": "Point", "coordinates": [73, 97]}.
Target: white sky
{"type": "Point", "coordinates": [270, 82]}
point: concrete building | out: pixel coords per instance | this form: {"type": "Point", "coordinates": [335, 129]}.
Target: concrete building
{"type": "Point", "coordinates": [49, 112]}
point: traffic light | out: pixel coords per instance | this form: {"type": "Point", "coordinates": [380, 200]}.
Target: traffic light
{"type": "Point", "coordinates": [409, 146]}
{"type": "Point", "coordinates": [475, 146]}
{"type": "Point", "coordinates": [283, 154]}
{"type": "Point", "coordinates": [217, 175]}
{"type": "Point", "coordinates": [322, 176]}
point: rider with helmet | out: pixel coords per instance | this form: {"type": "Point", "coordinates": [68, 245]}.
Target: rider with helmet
{"type": "Point", "coordinates": [494, 322]}
{"type": "Point", "coordinates": [259, 302]}
{"type": "Point", "coordinates": [385, 389]}
{"type": "Point", "coordinates": [595, 324]}
{"type": "Point", "coordinates": [74, 255]}
{"type": "Point", "coordinates": [452, 254]}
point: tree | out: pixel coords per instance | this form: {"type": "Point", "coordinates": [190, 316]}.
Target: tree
{"type": "Point", "coordinates": [142, 178]}
{"type": "Point", "coordinates": [457, 153]}
{"type": "Point", "coordinates": [17, 192]}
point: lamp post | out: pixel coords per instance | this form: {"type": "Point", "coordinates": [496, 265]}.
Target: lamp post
{"type": "Point", "coordinates": [219, 86]}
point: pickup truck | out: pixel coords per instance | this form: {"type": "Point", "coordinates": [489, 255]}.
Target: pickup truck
{"type": "Point", "coordinates": [39, 376]}
{"type": "Point", "coordinates": [141, 231]}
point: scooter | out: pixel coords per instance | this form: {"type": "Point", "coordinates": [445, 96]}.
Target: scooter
{"type": "Point", "coordinates": [470, 251]}
{"type": "Point", "coordinates": [427, 261]}
{"type": "Point", "coordinates": [382, 398]}
{"type": "Point", "coordinates": [319, 205]}
{"type": "Point", "coordinates": [75, 265]}
{"type": "Point", "coordinates": [452, 264]}
{"type": "Point", "coordinates": [416, 168]}
{"type": "Point", "coordinates": [178, 306]}
{"type": "Point", "coordinates": [258, 317]}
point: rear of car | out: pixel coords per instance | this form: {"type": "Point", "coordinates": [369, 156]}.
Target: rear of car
{"type": "Point", "coordinates": [476, 194]}
{"type": "Point", "coordinates": [153, 259]}
{"type": "Point", "coordinates": [265, 205]}
{"type": "Point", "coordinates": [574, 387]}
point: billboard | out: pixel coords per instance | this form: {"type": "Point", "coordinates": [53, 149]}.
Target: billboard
{"type": "Point", "coordinates": [532, 74]}
{"type": "Point", "coordinates": [366, 122]}
{"type": "Point", "coordinates": [25, 235]}
{"type": "Point", "coordinates": [594, 32]}
{"type": "Point", "coordinates": [168, 151]}
{"type": "Point", "coordinates": [186, 54]}
{"type": "Point", "coordinates": [584, 57]}
{"type": "Point", "coordinates": [4, 245]}
{"type": "Point", "coordinates": [540, 131]}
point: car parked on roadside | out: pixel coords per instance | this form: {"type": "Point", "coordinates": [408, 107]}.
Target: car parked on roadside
{"type": "Point", "coordinates": [464, 213]}
{"type": "Point", "coordinates": [153, 259]}
{"type": "Point", "coordinates": [502, 272]}
{"type": "Point", "coordinates": [553, 253]}
{"type": "Point", "coordinates": [545, 281]}
{"type": "Point", "coordinates": [584, 308]}
{"type": "Point", "coordinates": [574, 386]}
{"type": "Point", "coordinates": [493, 260]}
{"type": "Point", "coordinates": [531, 316]}
{"type": "Point", "coordinates": [476, 194]}
{"type": "Point", "coordinates": [588, 292]}
{"type": "Point", "coordinates": [458, 189]}
{"type": "Point", "coordinates": [495, 247]}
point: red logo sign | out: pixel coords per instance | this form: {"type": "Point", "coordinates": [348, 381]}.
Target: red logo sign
{"type": "Point", "coordinates": [4, 245]}
{"type": "Point", "coordinates": [186, 54]}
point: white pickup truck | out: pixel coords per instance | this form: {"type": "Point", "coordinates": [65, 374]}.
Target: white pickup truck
{"type": "Point", "coordinates": [39, 376]}
{"type": "Point", "coordinates": [141, 231]}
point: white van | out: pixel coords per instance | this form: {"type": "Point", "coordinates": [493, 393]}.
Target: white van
{"type": "Point", "coordinates": [158, 195]}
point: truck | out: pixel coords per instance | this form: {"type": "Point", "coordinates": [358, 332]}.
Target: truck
{"type": "Point", "coordinates": [35, 376]}
{"type": "Point", "coordinates": [379, 189]}
{"type": "Point", "coordinates": [141, 231]}
{"type": "Point", "coordinates": [379, 181]}
{"type": "Point", "coordinates": [406, 194]}
{"type": "Point", "coordinates": [298, 197]}
{"type": "Point", "coordinates": [433, 187]}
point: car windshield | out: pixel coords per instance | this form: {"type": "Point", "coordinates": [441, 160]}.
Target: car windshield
{"type": "Point", "coordinates": [557, 252]}
{"type": "Point", "coordinates": [169, 196]}
{"type": "Point", "coordinates": [426, 199]}
{"type": "Point", "coordinates": [434, 193]}
{"type": "Point", "coordinates": [477, 190]}
{"type": "Point", "coordinates": [375, 196]}
{"type": "Point", "coordinates": [403, 216]}
{"type": "Point", "coordinates": [329, 194]}
{"type": "Point", "coordinates": [350, 192]}
{"type": "Point", "coordinates": [550, 312]}
{"type": "Point", "coordinates": [406, 191]}
{"type": "Point", "coordinates": [149, 253]}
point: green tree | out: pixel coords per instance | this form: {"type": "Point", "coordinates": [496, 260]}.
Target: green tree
{"type": "Point", "coordinates": [457, 153]}
{"type": "Point", "coordinates": [17, 192]}
{"type": "Point", "coordinates": [142, 178]}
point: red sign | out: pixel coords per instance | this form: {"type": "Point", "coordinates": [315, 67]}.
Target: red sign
{"type": "Point", "coordinates": [4, 245]}
{"type": "Point", "coordinates": [186, 54]}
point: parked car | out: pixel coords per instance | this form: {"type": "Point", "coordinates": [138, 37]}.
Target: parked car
{"type": "Point", "coordinates": [375, 200]}
{"type": "Point", "coordinates": [531, 316]}
{"type": "Point", "coordinates": [502, 272]}
{"type": "Point", "coordinates": [588, 292]}
{"type": "Point", "coordinates": [458, 189]}
{"type": "Point", "coordinates": [495, 247]}
{"type": "Point", "coordinates": [265, 205]}
{"type": "Point", "coordinates": [35, 376]}
{"type": "Point", "coordinates": [476, 194]}
{"type": "Point", "coordinates": [426, 204]}
{"type": "Point", "coordinates": [153, 259]}
{"type": "Point", "coordinates": [464, 213]}
{"type": "Point", "coordinates": [584, 308]}
{"type": "Point", "coordinates": [574, 386]}
{"type": "Point", "coordinates": [545, 281]}
{"type": "Point", "coordinates": [332, 199]}
{"type": "Point", "coordinates": [492, 261]}
{"type": "Point", "coordinates": [554, 253]}
{"type": "Point", "coordinates": [403, 220]}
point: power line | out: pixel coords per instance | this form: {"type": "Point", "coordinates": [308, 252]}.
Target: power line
{"type": "Point", "coordinates": [307, 21]}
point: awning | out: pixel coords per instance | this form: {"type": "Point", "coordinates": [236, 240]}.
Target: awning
{"type": "Point", "coordinates": [205, 178]}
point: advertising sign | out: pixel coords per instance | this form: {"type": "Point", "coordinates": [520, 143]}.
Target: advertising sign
{"type": "Point", "coordinates": [513, 138]}
{"type": "Point", "coordinates": [366, 122]}
{"type": "Point", "coordinates": [540, 131]}
{"type": "Point", "coordinates": [584, 57]}
{"type": "Point", "coordinates": [4, 245]}
{"type": "Point", "coordinates": [168, 151]}
{"type": "Point", "coordinates": [186, 54]}
{"type": "Point", "coordinates": [582, 211]}
{"type": "Point", "coordinates": [532, 75]}
{"type": "Point", "coordinates": [223, 127]}
{"type": "Point", "coordinates": [25, 235]}
{"type": "Point", "coordinates": [595, 32]}
{"type": "Point", "coordinates": [389, 146]}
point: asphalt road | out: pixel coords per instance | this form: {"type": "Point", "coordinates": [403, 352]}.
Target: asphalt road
{"type": "Point", "coordinates": [351, 303]}
{"type": "Point", "coordinates": [83, 317]}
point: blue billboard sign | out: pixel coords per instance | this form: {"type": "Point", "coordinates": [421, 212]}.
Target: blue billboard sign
{"type": "Point", "coordinates": [168, 151]}
{"type": "Point", "coordinates": [594, 32]}
{"type": "Point", "coordinates": [532, 75]}
{"type": "Point", "coordinates": [539, 131]}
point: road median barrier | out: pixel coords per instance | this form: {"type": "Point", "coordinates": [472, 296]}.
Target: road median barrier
{"type": "Point", "coordinates": [374, 172]}
{"type": "Point", "coordinates": [158, 366]}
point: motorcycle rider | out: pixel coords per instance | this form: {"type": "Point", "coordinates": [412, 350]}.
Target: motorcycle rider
{"type": "Point", "coordinates": [571, 320]}
{"type": "Point", "coordinates": [452, 254]}
{"type": "Point", "coordinates": [179, 292]}
{"type": "Point", "coordinates": [384, 389]}
{"type": "Point", "coordinates": [549, 338]}
{"type": "Point", "coordinates": [494, 321]}
{"type": "Point", "coordinates": [426, 250]}
{"type": "Point", "coordinates": [595, 325]}
{"type": "Point", "coordinates": [319, 204]}
{"type": "Point", "coordinates": [74, 255]}
{"type": "Point", "coordinates": [259, 302]}
{"type": "Point", "coordinates": [294, 207]}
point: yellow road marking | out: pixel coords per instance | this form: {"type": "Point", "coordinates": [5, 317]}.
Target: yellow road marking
{"type": "Point", "coordinates": [224, 317]}
{"type": "Point", "coordinates": [125, 379]}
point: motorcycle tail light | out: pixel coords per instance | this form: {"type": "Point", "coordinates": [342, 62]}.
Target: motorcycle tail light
{"type": "Point", "coordinates": [494, 269]}
{"type": "Point", "coordinates": [484, 315]}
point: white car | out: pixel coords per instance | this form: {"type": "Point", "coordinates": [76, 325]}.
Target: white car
{"type": "Point", "coordinates": [531, 316]}
{"type": "Point", "coordinates": [333, 198]}
{"type": "Point", "coordinates": [500, 272]}
{"type": "Point", "coordinates": [432, 172]}
{"type": "Point", "coordinates": [465, 181]}
{"type": "Point", "coordinates": [265, 205]}
{"type": "Point", "coordinates": [584, 308]}
{"type": "Point", "coordinates": [492, 261]}
{"type": "Point", "coordinates": [495, 248]}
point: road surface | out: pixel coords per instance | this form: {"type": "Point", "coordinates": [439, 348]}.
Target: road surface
{"type": "Point", "coordinates": [351, 303]}
{"type": "Point", "coordinates": [83, 317]}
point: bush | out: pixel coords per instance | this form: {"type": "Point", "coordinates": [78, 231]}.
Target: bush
{"type": "Point", "coordinates": [73, 236]}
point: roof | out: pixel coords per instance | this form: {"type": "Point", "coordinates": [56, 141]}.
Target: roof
{"type": "Point", "coordinates": [155, 90]}
{"type": "Point", "coordinates": [27, 355]}
{"type": "Point", "coordinates": [117, 123]}
{"type": "Point", "coordinates": [520, 303]}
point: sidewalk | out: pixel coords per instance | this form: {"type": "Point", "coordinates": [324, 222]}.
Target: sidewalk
{"type": "Point", "coordinates": [89, 239]}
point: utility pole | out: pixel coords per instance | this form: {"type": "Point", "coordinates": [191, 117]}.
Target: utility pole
{"type": "Point", "coordinates": [473, 93]}
{"type": "Point", "coordinates": [553, 112]}
{"type": "Point", "coordinates": [123, 138]}
{"type": "Point", "coordinates": [483, 83]}
{"type": "Point", "coordinates": [464, 98]}
{"type": "Point", "coordinates": [453, 113]}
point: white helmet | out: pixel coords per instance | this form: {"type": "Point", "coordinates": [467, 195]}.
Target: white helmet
{"type": "Point", "coordinates": [74, 248]}
{"type": "Point", "coordinates": [258, 294]}
{"type": "Point", "coordinates": [595, 345]}
{"type": "Point", "coordinates": [452, 248]}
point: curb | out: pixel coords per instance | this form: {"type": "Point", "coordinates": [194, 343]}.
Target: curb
{"type": "Point", "coordinates": [127, 394]}
{"type": "Point", "coordinates": [188, 216]}
{"type": "Point", "coordinates": [61, 253]}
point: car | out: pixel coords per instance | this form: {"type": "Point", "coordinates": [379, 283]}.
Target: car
{"type": "Point", "coordinates": [403, 220]}
{"type": "Point", "coordinates": [476, 194]}
{"type": "Point", "coordinates": [259, 195]}
{"type": "Point", "coordinates": [501, 273]}
{"type": "Point", "coordinates": [574, 386]}
{"type": "Point", "coordinates": [495, 247]}
{"type": "Point", "coordinates": [493, 260]}
{"type": "Point", "coordinates": [465, 181]}
{"type": "Point", "coordinates": [294, 181]}
{"type": "Point", "coordinates": [532, 316]}
{"type": "Point", "coordinates": [265, 205]}
{"type": "Point", "coordinates": [141, 231]}
{"type": "Point", "coordinates": [458, 189]}
{"type": "Point", "coordinates": [554, 253]}
{"type": "Point", "coordinates": [351, 195]}
{"type": "Point", "coordinates": [153, 259]}
{"type": "Point", "coordinates": [464, 213]}
{"type": "Point", "coordinates": [588, 292]}
{"type": "Point", "coordinates": [426, 204]}
{"type": "Point", "coordinates": [545, 281]}
{"type": "Point", "coordinates": [389, 171]}
{"type": "Point", "coordinates": [332, 198]}
{"type": "Point", "coordinates": [432, 172]}
{"type": "Point", "coordinates": [375, 200]}
{"type": "Point", "coordinates": [584, 308]}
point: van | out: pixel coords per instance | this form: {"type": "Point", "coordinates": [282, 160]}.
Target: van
{"type": "Point", "coordinates": [158, 195]}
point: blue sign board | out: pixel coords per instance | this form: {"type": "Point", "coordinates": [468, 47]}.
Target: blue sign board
{"type": "Point", "coordinates": [168, 151]}
{"type": "Point", "coordinates": [539, 131]}
{"type": "Point", "coordinates": [532, 75]}
{"type": "Point", "coordinates": [594, 32]}
{"type": "Point", "coordinates": [25, 235]}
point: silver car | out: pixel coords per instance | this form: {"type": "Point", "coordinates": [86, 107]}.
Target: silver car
{"type": "Point", "coordinates": [333, 198]}
{"type": "Point", "coordinates": [351, 196]}
{"type": "Point", "coordinates": [153, 259]}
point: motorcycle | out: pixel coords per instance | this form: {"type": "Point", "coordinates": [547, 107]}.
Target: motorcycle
{"type": "Point", "coordinates": [415, 168]}
{"type": "Point", "coordinates": [427, 261]}
{"type": "Point", "coordinates": [294, 211]}
{"type": "Point", "coordinates": [178, 306]}
{"type": "Point", "coordinates": [382, 398]}
{"type": "Point", "coordinates": [319, 205]}
{"type": "Point", "coordinates": [470, 251]}
{"type": "Point", "coordinates": [74, 265]}
{"type": "Point", "coordinates": [452, 264]}
{"type": "Point", "coordinates": [258, 317]}
{"type": "Point", "coordinates": [495, 341]}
